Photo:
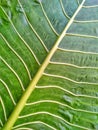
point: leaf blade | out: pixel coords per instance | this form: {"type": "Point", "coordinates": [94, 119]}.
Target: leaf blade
{"type": "Point", "coordinates": [31, 87]}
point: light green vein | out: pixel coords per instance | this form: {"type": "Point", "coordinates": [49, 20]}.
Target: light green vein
{"type": "Point", "coordinates": [43, 44]}
{"type": "Point", "coordinates": [24, 128]}
{"type": "Point", "coordinates": [35, 122]}
{"type": "Point", "coordinates": [65, 90]}
{"type": "Point", "coordinates": [1, 123]}
{"type": "Point", "coordinates": [64, 10]}
{"type": "Point", "coordinates": [9, 92]}
{"type": "Point", "coordinates": [19, 57]}
{"type": "Point", "coordinates": [78, 21]}
{"type": "Point", "coordinates": [3, 107]}
{"type": "Point", "coordinates": [91, 6]}
{"type": "Point", "coordinates": [55, 116]}
{"type": "Point", "coordinates": [71, 80]}
{"type": "Point", "coordinates": [21, 84]}
{"type": "Point", "coordinates": [81, 35]}
{"type": "Point", "coordinates": [73, 65]}
{"type": "Point", "coordinates": [48, 20]}
{"type": "Point", "coordinates": [62, 104]}
{"type": "Point", "coordinates": [26, 44]}
{"type": "Point", "coordinates": [77, 51]}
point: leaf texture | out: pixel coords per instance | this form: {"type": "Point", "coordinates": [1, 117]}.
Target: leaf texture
{"type": "Point", "coordinates": [49, 65]}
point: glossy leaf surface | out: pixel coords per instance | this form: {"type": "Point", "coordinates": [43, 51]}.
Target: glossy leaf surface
{"type": "Point", "coordinates": [49, 65]}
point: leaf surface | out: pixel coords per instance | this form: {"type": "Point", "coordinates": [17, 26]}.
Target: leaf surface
{"type": "Point", "coordinates": [49, 65]}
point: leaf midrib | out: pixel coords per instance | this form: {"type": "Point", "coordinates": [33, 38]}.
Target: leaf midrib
{"type": "Point", "coordinates": [20, 105]}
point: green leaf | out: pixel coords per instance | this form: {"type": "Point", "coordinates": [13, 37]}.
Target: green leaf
{"type": "Point", "coordinates": [49, 64]}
